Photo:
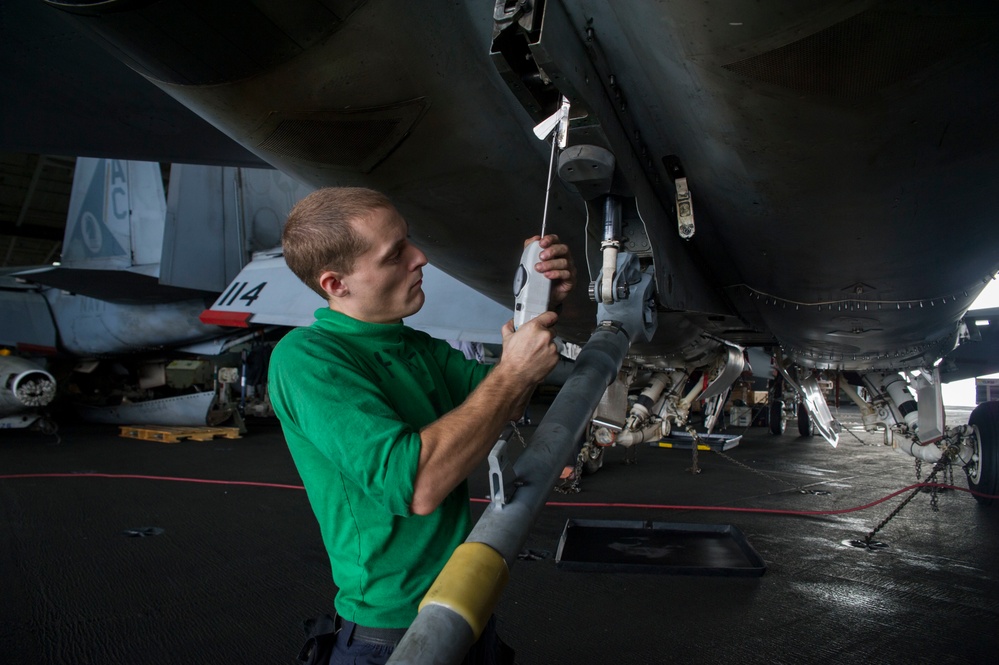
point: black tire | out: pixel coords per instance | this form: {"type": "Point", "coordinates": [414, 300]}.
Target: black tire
{"type": "Point", "coordinates": [983, 473]}
{"type": "Point", "coordinates": [805, 425]}
{"type": "Point", "coordinates": [778, 423]}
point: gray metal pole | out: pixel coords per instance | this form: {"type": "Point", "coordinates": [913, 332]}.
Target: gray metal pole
{"type": "Point", "coordinates": [452, 613]}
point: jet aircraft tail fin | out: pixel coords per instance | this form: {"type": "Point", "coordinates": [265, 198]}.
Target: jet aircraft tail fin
{"type": "Point", "coordinates": [217, 217]}
{"type": "Point", "coordinates": [116, 216]}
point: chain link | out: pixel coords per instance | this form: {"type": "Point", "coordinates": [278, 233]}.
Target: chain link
{"type": "Point", "coordinates": [941, 464]}
{"type": "Point", "coordinates": [570, 485]}
{"type": "Point", "coordinates": [723, 455]}
{"type": "Point", "coordinates": [694, 468]}
{"type": "Point", "coordinates": [743, 465]}
{"type": "Point", "coordinates": [517, 434]}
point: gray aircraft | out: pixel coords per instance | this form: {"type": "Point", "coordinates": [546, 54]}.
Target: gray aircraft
{"type": "Point", "coordinates": [123, 314]}
{"type": "Point", "coordinates": [122, 334]}
{"type": "Point", "coordinates": [817, 178]}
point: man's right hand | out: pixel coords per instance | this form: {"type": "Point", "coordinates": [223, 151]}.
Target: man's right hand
{"type": "Point", "coordinates": [529, 352]}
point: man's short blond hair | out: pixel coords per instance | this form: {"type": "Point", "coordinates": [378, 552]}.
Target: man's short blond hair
{"type": "Point", "coordinates": [320, 235]}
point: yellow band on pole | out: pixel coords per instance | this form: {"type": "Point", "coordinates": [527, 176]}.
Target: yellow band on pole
{"type": "Point", "coordinates": [470, 584]}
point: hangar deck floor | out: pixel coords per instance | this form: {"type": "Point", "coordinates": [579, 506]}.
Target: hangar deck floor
{"type": "Point", "coordinates": [237, 567]}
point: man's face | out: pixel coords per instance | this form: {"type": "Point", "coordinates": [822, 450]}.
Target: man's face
{"type": "Point", "coordinates": [386, 284]}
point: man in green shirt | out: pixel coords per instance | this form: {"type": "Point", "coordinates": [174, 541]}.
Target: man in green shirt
{"type": "Point", "coordinates": [384, 422]}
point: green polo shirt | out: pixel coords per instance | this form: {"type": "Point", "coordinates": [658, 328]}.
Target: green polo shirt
{"type": "Point", "coordinates": [352, 398]}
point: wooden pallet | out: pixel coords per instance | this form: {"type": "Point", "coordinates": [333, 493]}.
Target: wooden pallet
{"type": "Point", "coordinates": [176, 434]}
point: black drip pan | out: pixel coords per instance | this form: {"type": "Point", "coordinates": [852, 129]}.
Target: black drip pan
{"type": "Point", "coordinates": [634, 546]}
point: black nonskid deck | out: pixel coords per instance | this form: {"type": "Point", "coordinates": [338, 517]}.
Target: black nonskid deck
{"type": "Point", "coordinates": [123, 559]}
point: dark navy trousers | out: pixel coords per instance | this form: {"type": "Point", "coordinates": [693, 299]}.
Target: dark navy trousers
{"type": "Point", "coordinates": [349, 650]}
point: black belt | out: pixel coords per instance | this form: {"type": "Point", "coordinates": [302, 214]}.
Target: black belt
{"type": "Point", "coordinates": [388, 636]}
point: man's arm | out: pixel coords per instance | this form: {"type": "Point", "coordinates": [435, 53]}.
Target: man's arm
{"type": "Point", "coordinates": [452, 446]}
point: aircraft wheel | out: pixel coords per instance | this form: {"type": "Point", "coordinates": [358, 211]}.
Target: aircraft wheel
{"type": "Point", "coordinates": [805, 425]}
{"type": "Point", "coordinates": [778, 421]}
{"type": "Point", "coordinates": [983, 472]}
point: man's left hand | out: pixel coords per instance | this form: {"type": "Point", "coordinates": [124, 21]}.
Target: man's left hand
{"type": "Point", "coordinates": [556, 264]}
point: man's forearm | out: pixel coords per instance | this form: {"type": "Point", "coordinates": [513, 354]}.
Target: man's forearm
{"type": "Point", "coordinates": [453, 445]}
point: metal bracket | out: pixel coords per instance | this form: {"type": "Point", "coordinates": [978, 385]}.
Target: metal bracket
{"type": "Point", "coordinates": [684, 201]}
{"type": "Point", "coordinates": [502, 480]}
{"type": "Point", "coordinates": [684, 209]}
{"type": "Point", "coordinates": [633, 305]}
{"type": "Point", "coordinates": [815, 402]}
{"type": "Point", "coordinates": [506, 12]}
{"type": "Point", "coordinates": [932, 420]}
{"type": "Point", "coordinates": [734, 364]}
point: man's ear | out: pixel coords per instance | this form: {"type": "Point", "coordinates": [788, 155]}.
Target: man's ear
{"type": "Point", "coordinates": [331, 283]}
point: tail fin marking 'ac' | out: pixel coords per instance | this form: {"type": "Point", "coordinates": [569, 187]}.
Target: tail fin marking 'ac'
{"type": "Point", "coordinates": [116, 215]}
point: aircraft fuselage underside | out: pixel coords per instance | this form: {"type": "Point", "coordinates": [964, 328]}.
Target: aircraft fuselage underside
{"type": "Point", "coordinates": [774, 194]}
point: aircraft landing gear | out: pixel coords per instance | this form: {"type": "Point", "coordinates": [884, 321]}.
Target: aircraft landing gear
{"type": "Point", "coordinates": [805, 425]}
{"type": "Point", "coordinates": [777, 417]}
{"type": "Point", "coordinates": [983, 470]}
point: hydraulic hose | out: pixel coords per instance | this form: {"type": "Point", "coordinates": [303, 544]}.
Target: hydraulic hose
{"type": "Point", "coordinates": [462, 598]}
